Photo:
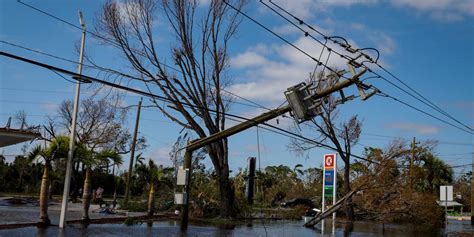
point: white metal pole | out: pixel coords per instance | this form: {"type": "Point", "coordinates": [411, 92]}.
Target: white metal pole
{"type": "Point", "coordinates": [334, 194]}
{"type": "Point", "coordinates": [67, 179]}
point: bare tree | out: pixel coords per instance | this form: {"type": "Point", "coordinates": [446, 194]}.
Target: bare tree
{"type": "Point", "coordinates": [200, 54]}
{"type": "Point", "coordinates": [342, 138]}
{"type": "Point", "coordinates": [99, 125]}
{"type": "Point", "coordinates": [99, 128]}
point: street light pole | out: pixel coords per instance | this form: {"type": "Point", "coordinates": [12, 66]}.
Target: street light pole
{"type": "Point", "coordinates": [67, 179]}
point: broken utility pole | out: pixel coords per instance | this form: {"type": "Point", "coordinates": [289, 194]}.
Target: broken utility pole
{"type": "Point", "coordinates": [298, 98]}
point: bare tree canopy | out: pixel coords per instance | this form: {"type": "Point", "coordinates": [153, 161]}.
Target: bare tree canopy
{"type": "Point", "coordinates": [200, 54]}
{"type": "Point", "coordinates": [99, 125]}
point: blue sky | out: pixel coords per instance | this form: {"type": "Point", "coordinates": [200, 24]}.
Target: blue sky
{"type": "Point", "coordinates": [428, 44]}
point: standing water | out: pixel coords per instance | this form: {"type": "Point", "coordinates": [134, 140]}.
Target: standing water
{"type": "Point", "coordinates": [256, 228]}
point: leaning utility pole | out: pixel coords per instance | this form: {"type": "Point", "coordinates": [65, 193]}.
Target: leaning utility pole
{"type": "Point", "coordinates": [132, 154]}
{"type": "Point", "coordinates": [67, 179]}
{"type": "Point", "coordinates": [300, 103]}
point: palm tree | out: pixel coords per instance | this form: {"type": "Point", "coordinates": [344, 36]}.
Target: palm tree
{"type": "Point", "coordinates": [117, 161]}
{"type": "Point", "coordinates": [154, 176]}
{"type": "Point", "coordinates": [437, 172]}
{"type": "Point", "coordinates": [58, 148]}
{"type": "Point", "coordinates": [98, 159]}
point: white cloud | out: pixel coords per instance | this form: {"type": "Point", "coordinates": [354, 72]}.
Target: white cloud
{"type": "Point", "coordinates": [161, 156]}
{"type": "Point", "coordinates": [443, 10]}
{"type": "Point", "coordinates": [248, 59]}
{"type": "Point", "coordinates": [305, 9]}
{"type": "Point", "coordinates": [384, 43]}
{"type": "Point", "coordinates": [418, 128]}
{"type": "Point", "coordinates": [274, 74]}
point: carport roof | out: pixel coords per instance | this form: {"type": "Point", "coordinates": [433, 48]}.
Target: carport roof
{"type": "Point", "coordinates": [9, 136]}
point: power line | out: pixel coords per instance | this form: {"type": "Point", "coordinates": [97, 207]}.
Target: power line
{"type": "Point", "coordinates": [162, 98]}
{"type": "Point", "coordinates": [104, 69]}
{"type": "Point", "coordinates": [280, 37]}
{"type": "Point", "coordinates": [442, 142]}
{"type": "Point", "coordinates": [59, 18]}
{"type": "Point", "coordinates": [115, 44]}
{"type": "Point", "coordinates": [431, 106]}
{"type": "Point", "coordinates": [347, 46]}
{"type": "Point", "coordinates": [414, 91]}
{"type": "Point", "coordinates": [266, 28]}
{"type": "Point", "coordinates": [421, 111]}
{"type": "Point", "coordinates": [319, 63]}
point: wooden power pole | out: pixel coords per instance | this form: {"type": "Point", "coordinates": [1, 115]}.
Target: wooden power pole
{"type": "Point", "coordinates": [194, 145]}
{"type": "Point", "coordinates": [412, 159]}
{"type": "Point", "coordinates": [132, 154]}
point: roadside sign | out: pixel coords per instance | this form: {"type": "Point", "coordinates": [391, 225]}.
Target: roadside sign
{"type": "Point", "coordinates": [446, 193]}
{"type": "Point", "coordinates": [329, 177]}
{"type": "Point", "coordinates": [329, 183]}
{"type": "Point", "coordinates": [329, 161]}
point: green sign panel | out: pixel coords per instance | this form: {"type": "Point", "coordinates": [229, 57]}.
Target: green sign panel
{"type": "Point", "coordinates": [328, 191]}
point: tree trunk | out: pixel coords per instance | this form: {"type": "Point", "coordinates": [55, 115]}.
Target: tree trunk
{"type": "Point", "coordinates": [44, 197]}
{"type": "Point", "coordinates": [151, 200]}
{"type": "Point", "coordinates": [226, 194]}
{"type": "Point", "coordinates": [347, 188]}
{"type": "Point", "coordinates": [86, 197]}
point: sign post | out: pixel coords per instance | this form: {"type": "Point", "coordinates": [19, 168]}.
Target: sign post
{"type": "Point", "coordinates": [329, 184]}
{"type": "Point", "coordinates": [446, 194]}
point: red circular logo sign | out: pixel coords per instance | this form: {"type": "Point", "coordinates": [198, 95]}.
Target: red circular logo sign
{"type": "Point", "coordinates": [329, 161]}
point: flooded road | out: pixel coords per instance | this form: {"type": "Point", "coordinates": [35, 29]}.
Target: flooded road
{"type": "Point", "coordinates": [256, 228]}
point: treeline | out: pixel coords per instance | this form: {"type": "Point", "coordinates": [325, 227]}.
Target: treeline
{"type": "Point", "coordinates": [390, 189]}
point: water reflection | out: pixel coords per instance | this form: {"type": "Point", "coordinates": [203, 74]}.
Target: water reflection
{"type": "Point", "coordinates": [256, 228]}
{"type": "Point", "coordinates": [41, 232]}
{"type": "Point", "coordinates": [348, 228]}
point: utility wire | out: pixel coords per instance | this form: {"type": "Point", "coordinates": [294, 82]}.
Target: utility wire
{"type": "Point", "coordinates": [162, 98]}
{"type": "Point", "coordinates": [100, 68]}
{"type": "Point", "coordinates": [279, 36]}
{"type": "Point", "coordinates": [57, 18]}
{"type": "Point", "coordinates": [420, 95]}
{"type": "Point", "coordinates": [429, 103]}
{"type": "Point", "coordinates": [332, 70]}
{"type": "Point", "coordinates": [421, 111]}
{"type": "Point", "coordinates": [115, 44]}
{"type": "Point", "coordinates": [346, 46]}
{"type": "Point", "coordinates": [266, 28]}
